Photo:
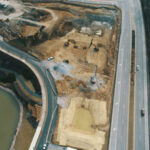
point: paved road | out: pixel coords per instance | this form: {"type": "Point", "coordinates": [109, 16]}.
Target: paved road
{"type": "Point", "coordinates": [51, 113]}
{"type": "Point", "coordinates": [119, 124]}
{"type": "Point", "coordinates": [131, 19]}
{"type": "Point", "coordinates": [118, 138]}
{"type": "Point", "coordinates": [141, 132]}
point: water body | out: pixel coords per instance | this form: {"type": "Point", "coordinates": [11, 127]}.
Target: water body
{"type": "Point", "coordinates": [9, 117]}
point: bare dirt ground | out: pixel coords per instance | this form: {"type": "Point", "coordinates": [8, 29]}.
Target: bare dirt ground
{"type": "Point", "coordinates": [29, 84]}
{"type": "Point", "coordinates": [84, 42]}
{"type": "Point", "coordinates": [80, 124]}
{"type": "Point", "coordinates": [26, 130]}
{"type": "Point", "coordinates": [84, 120]}
{"type": "Point", "coordinates": [25, 31]}
{"type": "Point", "coordinates": [19, 87]}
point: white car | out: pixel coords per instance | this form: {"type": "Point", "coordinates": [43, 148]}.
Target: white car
{"type": "Point", "coordinates": [44, 146]}
{"type": "Point", "coordinates": [50, 58]}
{"type": "Point", "coordinates": [137, 67]}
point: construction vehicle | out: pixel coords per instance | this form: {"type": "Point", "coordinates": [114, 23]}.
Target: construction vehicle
{"type": "Point", "coordinates": [93, 78]}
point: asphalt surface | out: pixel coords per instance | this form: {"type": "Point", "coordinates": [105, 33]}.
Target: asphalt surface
{"type": "Point", "coordinates": [119, 124]}
{"type": "Point", "coordinates": [141, 131]}
{"type": "Point", "coordinates": [131, 19]}
{"type": "Point", "coordinates": [118, 137]}
{"type": "Point", "coordinates": [52, 98]}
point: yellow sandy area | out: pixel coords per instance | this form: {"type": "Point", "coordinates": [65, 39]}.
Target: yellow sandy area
{"type": "Point", "coordinates": [78, 124]}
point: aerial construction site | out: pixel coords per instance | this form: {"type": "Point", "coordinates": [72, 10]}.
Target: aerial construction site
{"type": "Point", "coordinates": [78, 44]}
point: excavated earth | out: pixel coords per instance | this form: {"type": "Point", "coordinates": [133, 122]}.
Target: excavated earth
{"type": "Point", "coordinates": [83, 40]}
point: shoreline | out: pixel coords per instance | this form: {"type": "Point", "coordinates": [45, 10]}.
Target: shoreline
{"type": "Point", "coordinates": [20, 115]}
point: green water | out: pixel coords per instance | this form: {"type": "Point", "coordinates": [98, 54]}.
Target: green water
{"type": "Point", "coordinates": [9, 116]}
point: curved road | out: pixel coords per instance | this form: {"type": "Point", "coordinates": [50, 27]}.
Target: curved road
{"type": "Point", "coordinates": [49, 111]}
{"type": "Point", "coordinates": [131, 20]}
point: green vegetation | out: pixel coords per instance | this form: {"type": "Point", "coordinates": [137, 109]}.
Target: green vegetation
{"type": "Point", "coordinates": [7, 77]}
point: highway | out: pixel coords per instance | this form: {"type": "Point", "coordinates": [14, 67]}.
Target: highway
{"type": "Point", "coordinates": [119, 125]}
{"type": "Point", "coordinates": [49, 111]}
{"type": "Point", "coordinates": [133, 11]}
{"type": "Point", "coordinates": [141, 130]}
{"type": "Point", "coordinates": [120, 114]}
{"type": "Point", "coordinates": [131, 19]}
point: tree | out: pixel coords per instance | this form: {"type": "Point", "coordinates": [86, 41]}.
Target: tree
{"type": "Point", "coordinates": [11, 78]}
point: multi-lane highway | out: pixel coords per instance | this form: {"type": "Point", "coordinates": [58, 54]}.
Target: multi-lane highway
{"type": "Point", "coordinates": [119, 124]}
{"type": "Point", "coordinates": [141, 131]}
{"type": "Point", "coordinates": [131, 19]}
{"type": "Point", "coordinates": [120, 113]}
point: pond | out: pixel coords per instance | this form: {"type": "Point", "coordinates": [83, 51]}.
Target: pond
{"type": "Point", "coordinates": [9, 117]}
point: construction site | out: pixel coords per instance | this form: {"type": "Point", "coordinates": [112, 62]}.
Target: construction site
{"type": "Point", "coordinates": [78, 44]}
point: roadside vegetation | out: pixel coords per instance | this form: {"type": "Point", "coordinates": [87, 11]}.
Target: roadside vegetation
{"type": "Point", "coordinates": [7, 77]}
